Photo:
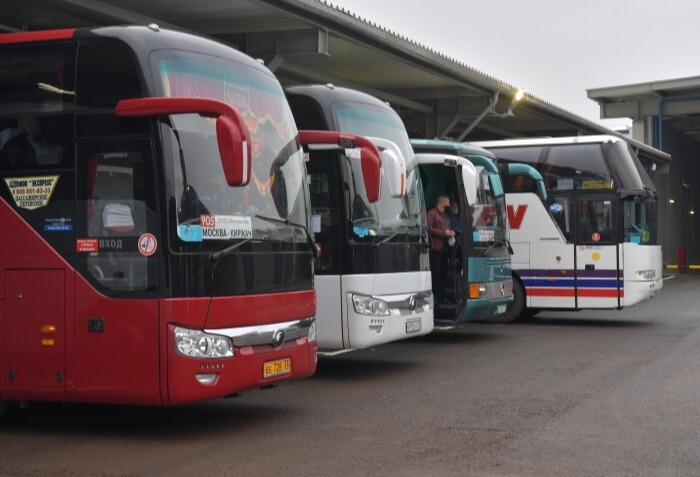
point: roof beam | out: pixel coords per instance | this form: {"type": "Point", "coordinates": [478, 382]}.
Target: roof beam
{"type": "Point", "coordinates": [650, 107]}
{"type": "Point", "coordinates": [107, 12]}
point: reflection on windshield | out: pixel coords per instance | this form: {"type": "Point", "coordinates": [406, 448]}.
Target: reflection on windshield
{"type": "Point", "coordinates": [388, 215]}
{"type": "Point", "coordinates": [488, 213]}
{"type": "Point", "coordinates": [208, 210]}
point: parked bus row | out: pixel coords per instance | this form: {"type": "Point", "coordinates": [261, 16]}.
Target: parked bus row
{"type": "Point", "coordinates": [179, 228]}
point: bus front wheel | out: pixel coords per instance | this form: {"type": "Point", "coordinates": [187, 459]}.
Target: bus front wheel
{"type": "Point", "coordinates": [515, 308]}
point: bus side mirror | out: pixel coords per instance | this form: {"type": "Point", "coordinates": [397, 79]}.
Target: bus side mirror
{"type": "Point", "coordinates": [496, 185]}
{"type": "Point", "coordinates": [394, 173]}
{"type": "Point", "coordinates": [232, 134]}
{"type": "Point", "coordinates": [471, 182]}
{"type": "Point", "coordinates": [370, 162]}
{"type": "Point", "coordinates": [393, 166]}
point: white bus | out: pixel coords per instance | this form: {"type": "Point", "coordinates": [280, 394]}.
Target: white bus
{"type": "Point", "coordinates": [372, 276]}
{"type": "Point", "coordinates": [582, 222]}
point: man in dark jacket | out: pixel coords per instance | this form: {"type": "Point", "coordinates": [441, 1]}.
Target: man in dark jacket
{"type": "Point", "coordinates": [440, 232]}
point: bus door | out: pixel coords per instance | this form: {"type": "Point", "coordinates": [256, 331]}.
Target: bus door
{"type": "Point", "coordinates": [325, 188]}
{"type": "Point", "coordinates": [598, 268]}
{"type": "Point", "coordinates": [118, 251]}
{"type": "Point", "coordinates": [464, 242]}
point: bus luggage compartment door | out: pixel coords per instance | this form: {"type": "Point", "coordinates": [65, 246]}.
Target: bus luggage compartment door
{"type": "Point", "coordinates": [35, 334]}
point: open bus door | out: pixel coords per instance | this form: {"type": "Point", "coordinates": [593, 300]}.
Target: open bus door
{"type": "Point", "coordinates": [444, 174]}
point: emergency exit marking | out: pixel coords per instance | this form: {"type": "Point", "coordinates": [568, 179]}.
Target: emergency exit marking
{"type": "Point", "coordinates": [147, 244]}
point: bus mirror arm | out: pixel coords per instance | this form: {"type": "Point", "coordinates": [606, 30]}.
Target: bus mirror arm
{"type": "Point", "coordinates": [369, 155]}
{"type": "Point", "coordinates": [232, 134]}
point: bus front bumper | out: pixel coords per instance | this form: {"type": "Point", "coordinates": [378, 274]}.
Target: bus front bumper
{"type": "Point", "coordinates": [259, 361]}
{"type": "Point", "coordinates": [491, 305]}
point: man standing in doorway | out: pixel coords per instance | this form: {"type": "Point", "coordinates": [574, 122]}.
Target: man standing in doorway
{"type": "Point", "coordinates": [440, 232]}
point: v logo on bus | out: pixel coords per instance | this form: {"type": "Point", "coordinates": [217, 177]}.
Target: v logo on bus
{"type": "Point", "coordinates": [516, 215]}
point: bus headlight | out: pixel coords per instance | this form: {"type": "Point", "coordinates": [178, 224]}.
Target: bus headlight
{"type": "Point", "coordinates": [367, 305]}
{"type": "Point", "coordinates": [646, 274]}
{"type": "Point", "coordinates": [198, 344]}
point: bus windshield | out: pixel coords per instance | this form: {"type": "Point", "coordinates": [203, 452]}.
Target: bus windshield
{"type": "Point", "coordinates": [488, 213]}
{"type": "Point", "coordinates": [208, 211]}
{"type": "Point", "coordinates": [388, 215]}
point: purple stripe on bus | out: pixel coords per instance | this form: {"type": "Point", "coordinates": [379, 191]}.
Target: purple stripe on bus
{"type": "Point", "coordinates": [525, 273]}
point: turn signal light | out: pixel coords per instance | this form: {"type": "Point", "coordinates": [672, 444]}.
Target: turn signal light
{"type": "Point", "coordinates": [474, 290]}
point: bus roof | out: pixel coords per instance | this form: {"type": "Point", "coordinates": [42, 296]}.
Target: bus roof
{"type": "Point", "coordinates": [456, 148]}
{"type": "Point", "coordinates": [548, 141]}
{"type": "Point", "coordinates": [142, 39]}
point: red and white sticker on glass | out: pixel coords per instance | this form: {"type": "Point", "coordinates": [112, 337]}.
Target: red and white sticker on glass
{"type": "Point", "coordinates": [147, 245]}
{"type": "Point", "coordinates": [87, 245]}
{"type": "Point", "coordinates": [595, 237]}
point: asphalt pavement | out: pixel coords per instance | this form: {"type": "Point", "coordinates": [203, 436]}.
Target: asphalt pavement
{"type": "Point", "coordinates": [586, 393]}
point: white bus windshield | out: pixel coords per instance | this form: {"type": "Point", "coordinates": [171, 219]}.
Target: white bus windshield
{"type": "Point", "coordinates": [388, 215]}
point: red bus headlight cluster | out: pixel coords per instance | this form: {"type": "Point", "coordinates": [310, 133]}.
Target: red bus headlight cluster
{"type": "Point", "coordinates": [198, 344]}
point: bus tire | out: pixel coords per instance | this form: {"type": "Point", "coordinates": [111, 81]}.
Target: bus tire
{"type": "Point", "coordinates": [515, 308]}
{"type": "Point", "coordinates": [3, 406]}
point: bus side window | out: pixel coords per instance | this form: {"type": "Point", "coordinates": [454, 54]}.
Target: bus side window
{"type": "Point", "coordinates": [562, 214]}
{"type": "Point", "coordinates": [36, 107]}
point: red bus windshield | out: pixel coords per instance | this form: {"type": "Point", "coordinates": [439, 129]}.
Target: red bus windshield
{"type": "Point", "coordinates": [209, 211]}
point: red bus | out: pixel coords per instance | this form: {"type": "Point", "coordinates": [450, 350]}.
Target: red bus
{"type": "Point", "coordinates": [155, 216]}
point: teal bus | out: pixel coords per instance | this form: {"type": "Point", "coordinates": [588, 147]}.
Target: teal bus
{"type": "Point", "coordinates": [479, 278]}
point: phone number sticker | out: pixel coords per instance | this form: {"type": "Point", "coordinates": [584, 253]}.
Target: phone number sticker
{"type": "Point", "coordinates": [31, 192]}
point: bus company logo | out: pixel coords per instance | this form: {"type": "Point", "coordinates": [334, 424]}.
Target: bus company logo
{"type": "Point", "coordinates": [503, 290]}
{"type": "Point", "coordinates": [412, 302]}
{"type": "Point", "coordinates": [516, 214]}
{"type": "Point", "coordinates": [556, 208]}
{"type": "Point", "coordinates": [278, 338]}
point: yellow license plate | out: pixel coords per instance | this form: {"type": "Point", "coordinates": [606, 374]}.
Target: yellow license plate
{"type": "Point", "coordinates": [278, 367]}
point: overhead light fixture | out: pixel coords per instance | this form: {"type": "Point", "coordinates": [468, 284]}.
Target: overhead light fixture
{"type": "Point", "coordinates": [519, 95]}
{"type": "Point", "coordinates": [692, 212]}
{"type": "Point", "coordinates": [671, 201]}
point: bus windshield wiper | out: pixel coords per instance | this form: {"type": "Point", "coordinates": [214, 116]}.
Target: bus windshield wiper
{"type": "Point", "coordinates": [385, 240]}
{"type": "Point", "coordinates": [214, 257]}
{"type": "Point", "coordinates": [309, 239]}
{"type": "Point", "coordinates": [500, 242]}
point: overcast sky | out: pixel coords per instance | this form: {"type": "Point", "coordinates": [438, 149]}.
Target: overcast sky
{"type": "Point", "coordinates": [555, 49]}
